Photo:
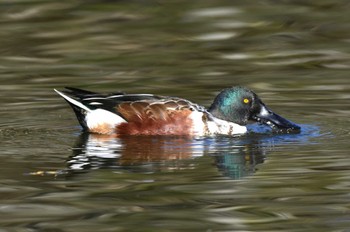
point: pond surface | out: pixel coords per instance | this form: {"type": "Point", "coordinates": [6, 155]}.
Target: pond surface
{"type": "Point", "coordinates": [294, 54]}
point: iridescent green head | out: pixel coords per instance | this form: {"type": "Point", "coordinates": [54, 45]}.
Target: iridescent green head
{"type": "Point", "coordinates": [240, 105]}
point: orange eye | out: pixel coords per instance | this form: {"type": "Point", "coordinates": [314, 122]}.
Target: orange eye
{"type": "Point", "coordinates": [246, 100]}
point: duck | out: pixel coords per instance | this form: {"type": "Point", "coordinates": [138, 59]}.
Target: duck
{"type": "Point", "coordinates": [147, 114]}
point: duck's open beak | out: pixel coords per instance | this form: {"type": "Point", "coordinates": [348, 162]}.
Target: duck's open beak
{"type": "Point", "coordinates": [276, 122]}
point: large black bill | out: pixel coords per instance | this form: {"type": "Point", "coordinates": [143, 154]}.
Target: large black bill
{"type": "Point", "coordinates": [275, 121]}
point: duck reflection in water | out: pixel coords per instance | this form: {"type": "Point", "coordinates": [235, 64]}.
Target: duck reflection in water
{"type": "Point", "coordinates": [234, 158]}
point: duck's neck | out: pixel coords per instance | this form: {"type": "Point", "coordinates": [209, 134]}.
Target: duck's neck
{"type": "Point", "coordinates": [216, 112]}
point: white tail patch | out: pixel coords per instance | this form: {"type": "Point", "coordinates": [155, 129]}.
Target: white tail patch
{"type": "Point", "coordinates": [73, 101]}
{"type": "Point", "coordinates": [102, 121]}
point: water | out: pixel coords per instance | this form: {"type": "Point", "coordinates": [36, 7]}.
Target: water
{"type": "Point", "coordinates": [293, 54]}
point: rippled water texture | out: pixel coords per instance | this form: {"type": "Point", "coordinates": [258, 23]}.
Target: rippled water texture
{"type": "Point", "coordinates": [293, 54]}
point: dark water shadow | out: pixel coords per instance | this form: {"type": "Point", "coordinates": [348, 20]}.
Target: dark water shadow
{"type": "Point", "coordinates": [234, 157]}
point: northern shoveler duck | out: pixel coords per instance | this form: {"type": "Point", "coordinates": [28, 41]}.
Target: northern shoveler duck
{"type": "Point", "coordinates": [147, 114]}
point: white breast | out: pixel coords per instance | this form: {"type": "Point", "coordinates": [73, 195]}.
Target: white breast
{"type": "Point", "coordinates": [218, 126]}
{"type": "Point", "coordinates": [215, 126]}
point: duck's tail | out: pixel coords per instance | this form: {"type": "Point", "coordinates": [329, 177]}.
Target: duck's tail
{"type": "Point", "coordinates": [79, 108]}
{"type": "Point", "coordinates": [93, 116]}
